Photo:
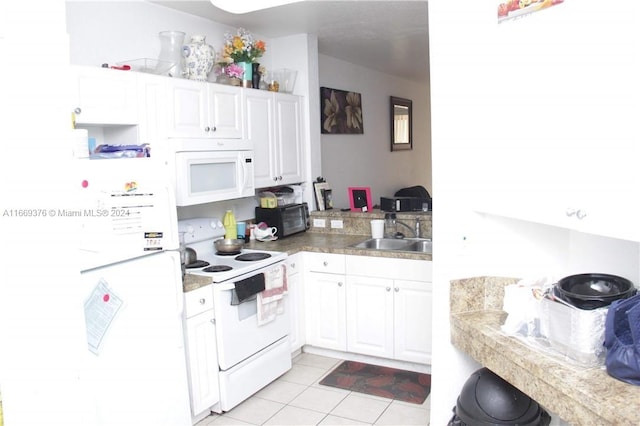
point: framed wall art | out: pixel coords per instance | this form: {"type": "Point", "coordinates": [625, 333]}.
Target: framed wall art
{"type": "Point", "coordinates": [401, 124]}
{"type": "Point", "coordinates": [341, 112]}
{"type": "Point", "coordinates": [360, 199]}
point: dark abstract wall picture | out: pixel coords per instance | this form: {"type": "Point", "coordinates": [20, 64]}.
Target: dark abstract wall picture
{"type": "Point", "coordinates": [341, 112]}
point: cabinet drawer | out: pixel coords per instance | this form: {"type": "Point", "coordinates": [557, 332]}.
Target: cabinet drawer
{"type": "Point", "coordinates": [325, 262]}
{"type": "Point", "coordinates": [294, 264]}
{"type": "Point", "coordinates": [198, 301]}
{"type": "Point", "coordinates": [398, 269]}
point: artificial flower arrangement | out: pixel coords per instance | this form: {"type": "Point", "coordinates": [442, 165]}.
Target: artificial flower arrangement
{"type": "Point", "coordinates": [241, 47]}
{"type": "Point", "coordinates": [234, 71]}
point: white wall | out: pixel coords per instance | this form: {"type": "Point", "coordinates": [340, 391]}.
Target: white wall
{"type": "Point", "coordinates": [42, 326]}
{"type": "Point", "coordinates": [116, 31]}
{"type": "Point", "coordinates": [367, 160]}
{"type": "Point", "coordinates": [466, 119]}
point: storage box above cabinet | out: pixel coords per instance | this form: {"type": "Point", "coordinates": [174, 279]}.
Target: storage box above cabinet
{"type": "Point", "coordinates": [204, 110]}
{"type": "Point", "coordinates": [105, 97]}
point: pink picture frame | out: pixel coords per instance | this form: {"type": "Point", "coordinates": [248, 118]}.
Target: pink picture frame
{"type": "Point", "coordinates": [360, 199]}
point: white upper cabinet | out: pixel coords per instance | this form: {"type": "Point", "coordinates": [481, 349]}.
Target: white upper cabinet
{"type": "Point", "coordinates": [274, 126]}
{"type": "Point", "coordinates": [203, 110]}
{"type": "Point", "coordinates": [289, 139]}
{"type": "Point", "coordinates": [562, 148]}
{"type": "Point", "coordinates": [259, 113]}
{"type": "Point", "coordinates": [105, 96]}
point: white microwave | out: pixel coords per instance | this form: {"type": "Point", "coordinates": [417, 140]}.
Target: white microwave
{"type": "Point", "coordinates": [208, 176]}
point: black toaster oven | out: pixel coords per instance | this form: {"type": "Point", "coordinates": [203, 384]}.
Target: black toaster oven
{"type": "Point", "coordinates": [288, 220]}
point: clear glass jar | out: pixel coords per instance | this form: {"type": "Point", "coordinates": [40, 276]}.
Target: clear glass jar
{"type": "Point", "coordinates": [390, 226]}
{"type": "Point", "coordinates": [171, 43]}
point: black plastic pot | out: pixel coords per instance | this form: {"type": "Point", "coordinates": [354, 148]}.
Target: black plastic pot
{"type": "Point", "coordinates": [488, 400]}
{"type": "Point", "coordinates": [592, 291]}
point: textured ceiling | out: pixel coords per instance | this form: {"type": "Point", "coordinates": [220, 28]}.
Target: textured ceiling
{"type": "Point", "coordinates": [388, 36]}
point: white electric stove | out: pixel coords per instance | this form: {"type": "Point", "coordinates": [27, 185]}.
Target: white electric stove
{"type": "Point", "coordinates": [250, 353]}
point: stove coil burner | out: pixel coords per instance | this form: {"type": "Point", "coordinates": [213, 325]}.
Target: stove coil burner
{"type": "Point", "coordinates": [217, 268]}
{"type": "Point", "coordinates": [228, 253]}
{"type": "Point", "coordinates": [252, 257]}
{"type": "Point", "coordinates": [197, 264]}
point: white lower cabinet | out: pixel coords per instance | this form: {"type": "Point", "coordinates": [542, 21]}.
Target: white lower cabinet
{"type": "Point", "coordinates": [202, 358]}
{"type": "Point", "coordinates": [325, 301]}
{"type": "Point", "coordinates": [296, 301]}
{"type": "Point", "coordinates": [412, 302]}
{"type": "Point", "coordinates": [370, 324]}
{"type": "Point", "coordinates": [369, 305]}
{"type": "Point", "coordinates": [389, 317]}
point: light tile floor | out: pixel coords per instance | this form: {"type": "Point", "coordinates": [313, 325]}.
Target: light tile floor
{"type": "Point", "coordinates": [296, 398]}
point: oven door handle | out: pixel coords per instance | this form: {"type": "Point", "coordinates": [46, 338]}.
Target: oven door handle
{"type": "Point", "coordinates": [224, 286]}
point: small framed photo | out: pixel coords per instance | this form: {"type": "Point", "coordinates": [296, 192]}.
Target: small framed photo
{"type": "Point", "coordinates": [328, 199]}
{"type": "Point", "coordinates": [360, 199]}
{"type": "Point", "coordinates": [319, 189]}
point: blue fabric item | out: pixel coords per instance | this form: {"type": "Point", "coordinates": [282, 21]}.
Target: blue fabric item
{"type": "Point", "coordinates": [622, 340]}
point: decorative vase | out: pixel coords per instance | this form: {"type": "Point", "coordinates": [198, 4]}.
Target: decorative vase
{"type": "Point", "coordinates": [170, 58]}
{"type": "Point", "coordinates": [198, 57]}
{"type": "Point", "coordinates": [247, 77]}
{"type": "Point", "coordinates": [255, 70]}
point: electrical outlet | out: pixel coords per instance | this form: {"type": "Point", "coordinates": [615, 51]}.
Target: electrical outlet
{"type": "Point", "coordinates": [319, 223]}
{"type": "Point", "coordinates": [336, 224]}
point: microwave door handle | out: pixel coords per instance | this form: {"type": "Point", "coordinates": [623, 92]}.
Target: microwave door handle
{"type": "Point", "coordinates": [244, 176]}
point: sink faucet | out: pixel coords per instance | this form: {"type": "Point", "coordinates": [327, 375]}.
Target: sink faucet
{"type": "Point", "coordinates": [415, 230]}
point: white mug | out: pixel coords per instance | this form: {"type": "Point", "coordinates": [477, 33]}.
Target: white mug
{"type": "Point", "coordinates": [262, 234]}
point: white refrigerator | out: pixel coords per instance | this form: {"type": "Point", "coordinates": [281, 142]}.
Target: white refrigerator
{"type": "Point", "coordinates": [134, 368]}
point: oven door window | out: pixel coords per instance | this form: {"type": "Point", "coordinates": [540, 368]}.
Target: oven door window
{"type": "Point", "coordinates": [293, 219]}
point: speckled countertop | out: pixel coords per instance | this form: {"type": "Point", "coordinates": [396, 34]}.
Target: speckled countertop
{"type": "Point", "coordinates": [356, 229]}
{"type": "Point", "coordinates": [313, 242]}
{"type": "Point", "coordinates": [580, 396]}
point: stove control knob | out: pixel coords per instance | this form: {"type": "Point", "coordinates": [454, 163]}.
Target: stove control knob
{"type": "Point", "coordinates": [218, 224]}
{"type": "Point", "coordinates": [190, 229]}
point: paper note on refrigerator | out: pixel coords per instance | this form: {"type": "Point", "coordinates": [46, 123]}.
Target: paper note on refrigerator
{"type": "Point", "coordinates": [100, 310]}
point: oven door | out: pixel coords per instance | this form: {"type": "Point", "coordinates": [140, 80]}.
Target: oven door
{"type": "Point", "coordinates": [238, 334]}
{"type": "Point", "coordinates": [208, 176]}
{"type": "Point", "coordinates": [294, 219]}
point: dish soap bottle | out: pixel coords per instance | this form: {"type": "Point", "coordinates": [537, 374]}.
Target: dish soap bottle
{"type": "Point", "coordinates": [230, 228]}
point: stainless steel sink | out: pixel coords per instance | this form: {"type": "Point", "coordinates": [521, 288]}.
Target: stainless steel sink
{"type": "Point", "coordinates": [416, 245]}
{"type": "Point", "coordinates": [422, 246]}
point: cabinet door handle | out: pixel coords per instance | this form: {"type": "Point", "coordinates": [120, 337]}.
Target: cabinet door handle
{"type": "Point", "coordinates": [78, 110]}
{"type": "Point", "coordinates": [275, 178]}
{"type": "Point", "coordinates": [214, 129]}
{"type": "Point", "coordinates": [325, 263]}
{"type": "Point", "coordinates": [396, 289]}
{"type": "Point", "coordinates": [213, 321]}
{"type": "Point", "coordinates": [339, 283]}
{"type": "Point", "coordinates": [206, 129]}
{"type": "Point", "coordinates": [388, 288]}
{"type": "Point", "coordinates": [570, 211]}
{"type": "Point", "coordinates": [581, 214]}
{"type": "Point", "coordinates": [203, 301]}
